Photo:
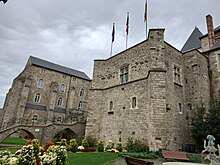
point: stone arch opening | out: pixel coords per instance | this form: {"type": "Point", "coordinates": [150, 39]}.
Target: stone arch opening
{"type": "Point", "coordinates": [18, 133]}
{"type": "Point", "coordinates": [65, 134]}
{"type": "Point", "coordinates": [26, 134]}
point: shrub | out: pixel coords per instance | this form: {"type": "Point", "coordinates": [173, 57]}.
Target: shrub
{"type": "Point", "coordinates": [195, 158]}
{"type": "Point", "coordinates": [100, 146]}
{"type": "Point", "coordinates": [91, 141]}
{"type": "Point", "coordinates": [142, 155]}
{"type": "Point", "coordinates": [85, 143]}
{"type": "Point", "coordinates": [119, 147]}
{"type": "Point", "coordinates": [73, 145]}
{"type": "Point", "coordinates": [136, 146]}
{"type": "Point", "coordinates": [109, 146]}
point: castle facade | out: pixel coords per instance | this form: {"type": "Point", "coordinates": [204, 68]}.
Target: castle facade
{"type": "Point", "coordinates": [147, 92]}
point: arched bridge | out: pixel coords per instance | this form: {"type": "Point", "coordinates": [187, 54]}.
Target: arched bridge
{"type": "Point", "coordinates": [45, 132]}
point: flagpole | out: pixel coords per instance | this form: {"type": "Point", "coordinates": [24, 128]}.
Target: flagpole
{"type": "Point", "coordinates": [145, 17]}
{"type": "Point", "coordinates": [127, 29]}
{"type": "Point", "coordinates": [113, 38]}
{"type": "Point", "coordinates": [111, 49]}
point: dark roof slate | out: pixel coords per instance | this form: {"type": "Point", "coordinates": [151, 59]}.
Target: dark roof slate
{"type": "Point", "coordinates": [49, 65]}
{"type": "Point", "coordinates": [193, 42]}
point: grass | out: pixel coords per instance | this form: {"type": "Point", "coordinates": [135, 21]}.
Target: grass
{"type": "Point", "coordinates": [14, 140]}
{"type": "Point", "coordinates": [91, 158]}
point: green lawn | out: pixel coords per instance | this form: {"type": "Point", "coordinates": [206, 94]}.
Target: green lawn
{"type": "Point", "coordinates": [90, 158]}
{"type": "Point", "coordinates": [14, 140]}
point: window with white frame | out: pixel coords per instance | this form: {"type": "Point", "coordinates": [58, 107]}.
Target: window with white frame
{"type": "Point", "coordinates": [59, 101]}
{"type": "Point", "coordinates": [124, 73]}
{"type": "Point", "coordinates": [34, 118]}
{"type": "Point", "coordinates": [177, 74]}
{"type": "Point", "coordinates": [40, 83]}
{"type": "Point", "coordinates": [81, 92]}
{"type": "Point", "coordinates": [37, 98]}
{"type": "Point", "coordinates": [62, 88]}
{"type": "Point", "coordinates": [80, 106]}
{"type": "Point", "coordinates": [134, 102]}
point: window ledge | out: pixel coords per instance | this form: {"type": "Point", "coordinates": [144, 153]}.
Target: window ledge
{"type": "Point", "coordinates": [176, 83]}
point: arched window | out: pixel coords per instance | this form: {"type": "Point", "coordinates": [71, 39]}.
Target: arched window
{"type": "Point", "coordinates": [62, 88]}
{"type": "Point", "coordinates": [37, 98]}
{"type": "Point", "coordinates": [34, 118]}
{"type": "Point", "coordinates": [40, 83]}
{"type": "Point", "coordinates": [80, 106]}
{"type": "Point", "coordinates": [81, 92]}
{"type": "Point", "coordinates": [59, 119]}
{"type": "Point", "coordinates": [60, 101]}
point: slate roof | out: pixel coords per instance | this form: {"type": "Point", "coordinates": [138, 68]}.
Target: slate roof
{"type": "Point", "coordinates": [193, 42]}
{"type": "Point", "coordinates": [49, 65]}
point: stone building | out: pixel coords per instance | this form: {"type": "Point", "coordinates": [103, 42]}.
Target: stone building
{"type": "Point", "coordinates": [147, 92]}
{"type": "Point", "coordinates": [45, 93]}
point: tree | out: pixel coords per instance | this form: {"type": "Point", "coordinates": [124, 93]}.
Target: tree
{"type": "Point", "coordinates": [206, 122]}
{"type": "Point", "coordinates": [213, 121]}
{"type": "Point", "coordinates": [200, 129]}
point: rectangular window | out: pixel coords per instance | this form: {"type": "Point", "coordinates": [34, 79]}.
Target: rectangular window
{"type": "Point", "coordinates": [219, 61]}
{"type": "Point", "coordinates": [134, 103]}
{"type": "Point", "coordinates": [124, 73]}
{"type": "Point", "coordinates": [111, 106]}
{"type": "Point", "coordinates": [177, 74]}
{"type": "Point", "coordinates": [180, 108]}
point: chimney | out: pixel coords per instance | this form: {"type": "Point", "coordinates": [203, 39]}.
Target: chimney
{"type": "Point", "coordinates": [210, 29]}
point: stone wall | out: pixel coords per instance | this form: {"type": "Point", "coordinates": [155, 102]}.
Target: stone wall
{"type": "Point", "coordinates": [151, 82]}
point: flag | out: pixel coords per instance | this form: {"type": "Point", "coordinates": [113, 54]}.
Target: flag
{"type": "Point", "coordinates": [4, 1]}
{"type": "Point", "coordinates": [145, 12]}
{"type": "Point", "coordinates": [127, 23]}
{"type": "Point", "coordinates": [113, 32]}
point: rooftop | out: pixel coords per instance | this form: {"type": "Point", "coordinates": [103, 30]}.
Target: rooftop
{"type": "Point", "coordinates": [49, 65]}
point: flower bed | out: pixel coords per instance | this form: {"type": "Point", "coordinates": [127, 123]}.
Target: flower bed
{"type": "Point", "coordinates": [33, 153]}
{"type": "Point", "coordinates": [87, 150]}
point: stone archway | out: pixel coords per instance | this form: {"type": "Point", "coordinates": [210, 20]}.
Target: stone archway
{"type": "Point", "coordinates": [66, 134]}
{"type": "Point", "coordinates": [10, 132]}
{"type": "Point", "coordinates": [26, 134]}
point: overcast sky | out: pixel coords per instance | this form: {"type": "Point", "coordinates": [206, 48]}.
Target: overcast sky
{"type": "Point", "coordinates": [73, 33]}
